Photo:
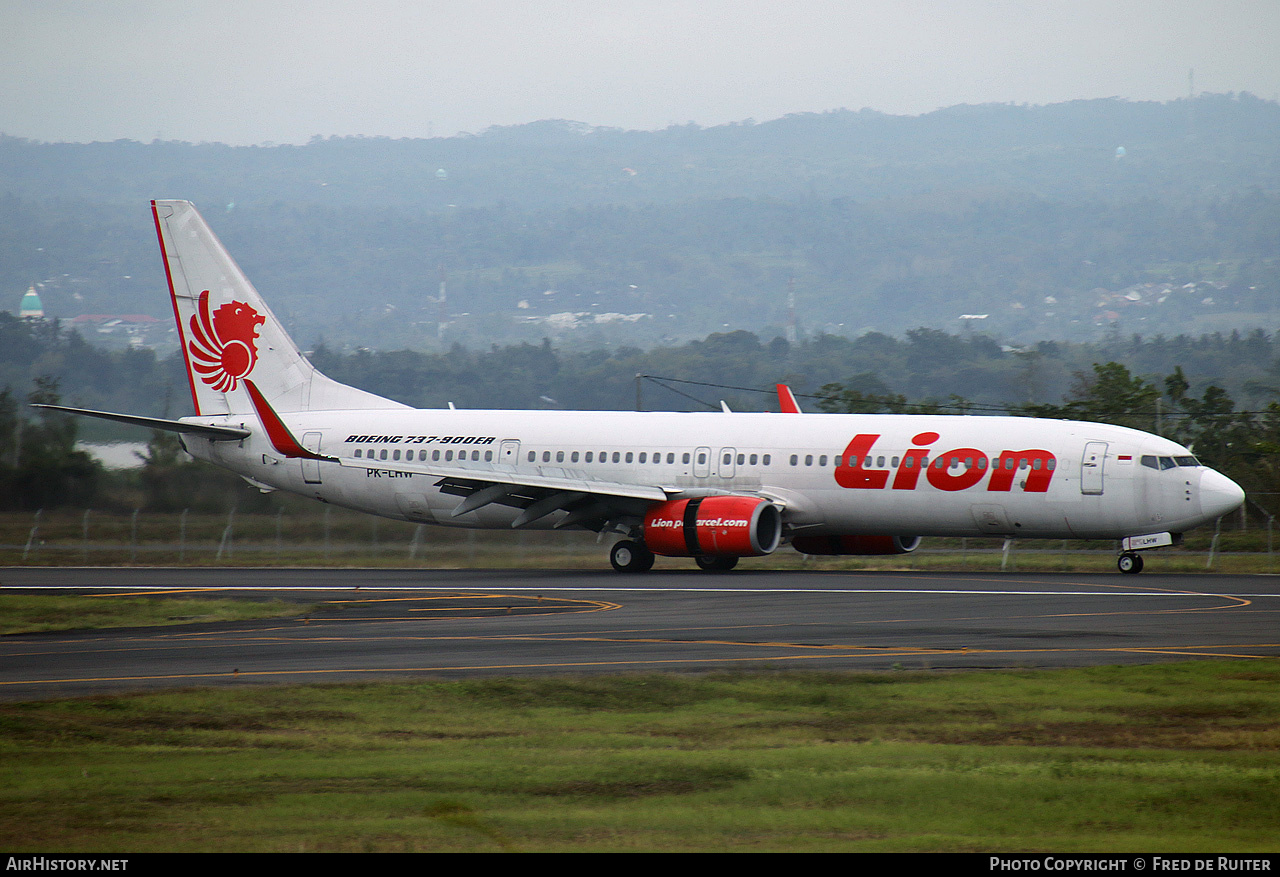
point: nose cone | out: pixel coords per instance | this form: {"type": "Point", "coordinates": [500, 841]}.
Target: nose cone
{"type": "Point", "coordinates": [1219, 495]}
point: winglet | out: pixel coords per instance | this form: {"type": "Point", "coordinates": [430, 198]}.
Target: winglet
{"type": "Point", "coordinates": [787, 400]}
{"type": "Point", "coordinates": [281, 439]}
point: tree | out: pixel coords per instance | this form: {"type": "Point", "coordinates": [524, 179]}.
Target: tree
{"type": "Point", "coordinates": [1109, 395]}
{"type": "Point", "coordinates": [48, 470]}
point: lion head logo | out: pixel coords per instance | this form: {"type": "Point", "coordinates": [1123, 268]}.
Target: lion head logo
{"type": "Point", "coordinates": [224, 345]}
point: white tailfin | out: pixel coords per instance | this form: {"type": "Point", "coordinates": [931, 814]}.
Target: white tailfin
{"type": "Point", "coordinates": [229, 335]}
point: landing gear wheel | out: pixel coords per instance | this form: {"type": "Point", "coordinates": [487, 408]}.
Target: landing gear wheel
{"type": "Point", "coordinates": [628, 556]}
{"type": "Point", "coordinates": [716, 564]}
{"type": "Point", "coordinates": [1130, 563]}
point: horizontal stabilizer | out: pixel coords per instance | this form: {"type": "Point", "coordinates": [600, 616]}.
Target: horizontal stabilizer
{"type": "Point", "coordinates": [214, 433]}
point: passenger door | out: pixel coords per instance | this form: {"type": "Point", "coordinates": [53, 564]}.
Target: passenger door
{"type": "Point", "coordinates": [1092, 463]}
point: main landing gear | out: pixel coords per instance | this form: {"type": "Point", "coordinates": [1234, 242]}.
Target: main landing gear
{"type": "Point", "coordinates": [631, 556]}
{"type": "Point", "coordinates": [1130, 562]}
{"type": "Point", "coordinates": [628, 556]}
{"type": "Point", "coordinates": [716, 564]}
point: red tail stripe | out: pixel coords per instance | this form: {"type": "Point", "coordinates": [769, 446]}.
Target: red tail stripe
{"type": "Point", "coordinates": [173, 297]}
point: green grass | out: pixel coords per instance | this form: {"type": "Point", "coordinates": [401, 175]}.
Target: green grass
{"type": "Point", "coordinates": [1174, 757]}
{"type": "Point", "coordinates": [34, 613]}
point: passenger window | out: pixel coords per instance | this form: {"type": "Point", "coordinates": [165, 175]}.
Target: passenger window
{"type": "Point", "coordinates": [753, 459]}
{"type": "Point", "coordinates": [643, 457]}
{"type": "Point", "coordinates": [488, 456]}
{"type": "Point", "coordinates": [448, 455]}
{"type": "Point", "coordinates": [628, 456]}
{"type": "Point", "coordinates": [616, 456]}
{"type": "Point", "coordinates": [794, 459]}
{"type": "Point", "coordinates": [383, 455]}
{"type": "Point", "coordinates": [741, 459]}
{"type": "Point", "coordinates": [546, 456]}
{"type": "Point", "coordinates": [559, 456]}
{"type": "Point", "coordinates": [357, 452]}
{"type": "Point", "coordinates": [702, 459]}
{"type": "Point", "coordinates": [588, 459]}
{"type": "Point", "coordinates": [685, 459]}
{"type": "Point", "coordinates": [671, 458]}
{"type": "Point", "coordinates": [766, 458]}
{"type": "Point", "coordinates": [822, 461]}
{"type": "Point", "coordinates": [532, 456]}
{"type": "Point", "coordinates": [808, 459]}
{"type": "Point", "coordinates": [435, 455]}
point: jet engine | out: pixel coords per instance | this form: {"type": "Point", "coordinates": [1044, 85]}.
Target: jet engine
{"type": "Point", "coordinates": [713, 526]}
{"type": "Point", "coordinates": [853, 544]}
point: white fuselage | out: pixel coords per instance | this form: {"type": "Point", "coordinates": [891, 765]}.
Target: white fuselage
{"type": "Point", "coordinates": [911, 475]}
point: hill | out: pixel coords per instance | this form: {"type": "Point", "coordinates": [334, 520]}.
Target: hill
{"type": "Point", "coordinates": [1065, 222]}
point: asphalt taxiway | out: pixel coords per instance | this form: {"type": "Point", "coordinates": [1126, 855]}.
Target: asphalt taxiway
{"type": "Point", "coordinates": [404, 624]}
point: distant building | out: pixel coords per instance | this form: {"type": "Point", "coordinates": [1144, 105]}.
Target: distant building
{"type": "Point", "coordinates": [137, 330]}
{"type": "Point", "coordinates": [31, 308]}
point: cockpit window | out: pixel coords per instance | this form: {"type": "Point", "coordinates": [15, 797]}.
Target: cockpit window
{"type": "Point", "coordinates": [1152, 462]}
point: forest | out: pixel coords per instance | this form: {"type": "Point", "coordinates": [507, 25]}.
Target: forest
{"type": "Point", "coordinates": [1217, 394]}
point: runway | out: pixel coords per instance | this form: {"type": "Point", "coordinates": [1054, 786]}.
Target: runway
{"type": "Point", "coordinates": [367, 625]}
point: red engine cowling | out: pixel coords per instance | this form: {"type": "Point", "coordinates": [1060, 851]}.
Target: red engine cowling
{"type": "Point", "coordinates": [713, 526]}
{"type": "Point", "coordinates": [855, 544]}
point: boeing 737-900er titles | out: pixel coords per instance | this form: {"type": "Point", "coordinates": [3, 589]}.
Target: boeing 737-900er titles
{"type": "Point", "coordinates": [714, 487]}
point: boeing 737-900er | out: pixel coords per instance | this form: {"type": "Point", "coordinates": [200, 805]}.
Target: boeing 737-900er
{"type": "Point", "coordinates": [712, 486]}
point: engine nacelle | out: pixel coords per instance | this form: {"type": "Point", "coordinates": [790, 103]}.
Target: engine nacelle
{"type": "Point", "coordinates": [713, 526]}
{"type": "Point", "coordinates": [848, 544]}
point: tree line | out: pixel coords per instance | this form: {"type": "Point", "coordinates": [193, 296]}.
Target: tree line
{"type": "Point", "coordinates": [1181, 387]}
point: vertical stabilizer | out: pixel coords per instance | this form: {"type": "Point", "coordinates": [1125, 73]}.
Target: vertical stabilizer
{"type": "Point", "coordinates": [228, 333]}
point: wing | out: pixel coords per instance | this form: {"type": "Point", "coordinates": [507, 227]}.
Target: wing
{"type": "Point", "coordinates": [587, 501]}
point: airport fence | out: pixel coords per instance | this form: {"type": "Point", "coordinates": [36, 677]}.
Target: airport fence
{"type": "Point", "coordinates": [329, 536]}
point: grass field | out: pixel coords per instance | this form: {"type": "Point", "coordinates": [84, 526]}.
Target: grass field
{"type": "Point", "coordinates": [1174, 757]}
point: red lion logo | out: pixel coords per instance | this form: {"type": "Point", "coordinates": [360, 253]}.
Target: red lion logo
{"type": "Point", "coordinates": [224, 347]}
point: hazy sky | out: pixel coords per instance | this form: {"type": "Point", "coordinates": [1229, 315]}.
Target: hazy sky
{"type": "Point", "coordinates": [253, 71]}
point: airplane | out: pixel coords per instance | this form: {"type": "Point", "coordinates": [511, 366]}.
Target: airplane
{"type": "Point", "coordinates": [713, 487]}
